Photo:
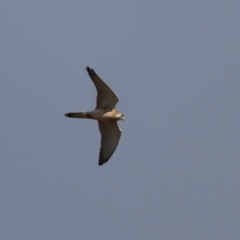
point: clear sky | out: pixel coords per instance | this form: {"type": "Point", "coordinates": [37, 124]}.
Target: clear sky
{"type": "Point", "coordinates": [175, 68]}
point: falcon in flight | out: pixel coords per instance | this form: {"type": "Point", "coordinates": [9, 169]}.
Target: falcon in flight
{"type": "Point", "coordinates": [106, 115]}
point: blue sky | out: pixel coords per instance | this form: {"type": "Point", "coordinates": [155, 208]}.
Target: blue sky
{"type": "Point", "coordinates": [175, 68]}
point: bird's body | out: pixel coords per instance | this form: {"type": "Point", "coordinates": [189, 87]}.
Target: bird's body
{"type": "Point", "coordinates": [97, 114]}
{"type": "Point", "coordinates": [106, 115]}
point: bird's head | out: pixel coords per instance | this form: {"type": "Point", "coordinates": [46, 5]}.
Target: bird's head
{"type": "Point", "coordinates": [120, 116]}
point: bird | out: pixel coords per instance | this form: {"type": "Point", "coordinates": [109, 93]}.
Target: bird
{"type": "Point", "coordinates": [106, 115]}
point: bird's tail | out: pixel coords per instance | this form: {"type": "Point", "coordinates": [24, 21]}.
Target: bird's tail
{"type": "Point", "coordinates": [76, 115]}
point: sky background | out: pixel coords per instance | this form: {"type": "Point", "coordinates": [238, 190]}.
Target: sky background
{"type": "Point", "coordinates": [175, 68]}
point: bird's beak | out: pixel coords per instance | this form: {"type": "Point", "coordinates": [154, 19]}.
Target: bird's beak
{"type": "Point", "coordinates": [122, 118]}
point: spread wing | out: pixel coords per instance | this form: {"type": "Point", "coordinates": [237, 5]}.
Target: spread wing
{"type": "Point", "coordinates": [110, 135]}
{"type": "Point", "coordinates": [106, 98]}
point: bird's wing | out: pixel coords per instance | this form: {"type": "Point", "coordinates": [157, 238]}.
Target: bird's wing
{"type": "Point", "coordinates": [110, 135]}
{"type": "Point", "coordinates": [106, 98]}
